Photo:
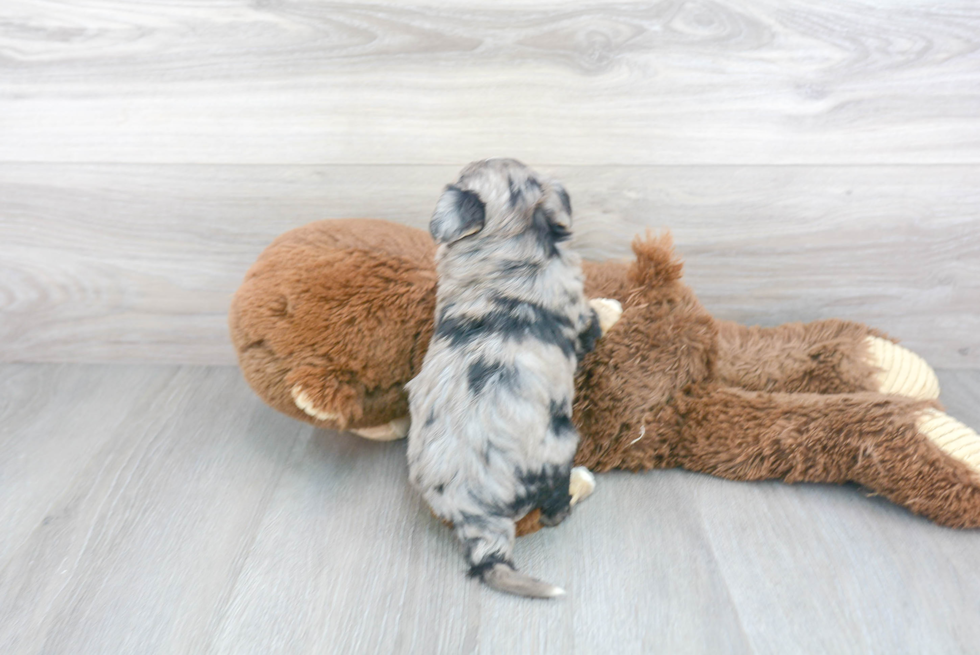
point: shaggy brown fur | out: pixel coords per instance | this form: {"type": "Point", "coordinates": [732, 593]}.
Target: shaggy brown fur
{"type": "Point", "coordinates": [820, 357]}
{"type": "Point", "coordinates": [345, 312]}
{"type": "Point", "coordinates": [345, 308]}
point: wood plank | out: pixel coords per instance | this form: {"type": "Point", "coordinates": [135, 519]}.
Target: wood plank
{"type": "Point", "coordinates": [205, 523]}
{"type": "Point", "coordinates": [579, 82]}
{"type": "Point", "coordinates": [40, 452]}
{"type": "Point", "coordinates": [811, 566]}
{"type": "Point", "coordinates": [961, 389]}
{"type": "Point", "coordinates": [138, 263]}
{"type": "Point", "coordinates": [348, 560]}
{"type": "Point", "coordinates": [828, 570]}
{"type": "Point", "coordinates": [145, 542]}
{"type": "Point", "coordinates": [666, 581]}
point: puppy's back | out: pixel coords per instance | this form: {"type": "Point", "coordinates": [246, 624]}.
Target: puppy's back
{"type": "Point", "coordinates": [491, 433]}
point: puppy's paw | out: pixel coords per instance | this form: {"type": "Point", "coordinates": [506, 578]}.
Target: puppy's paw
{"type": "Point", "coordinates": [581, 485]}
{"type": "Point", "coordinates": [551, 520]}
{"type": "Point", "coordinates": [388, 432]}
{"type": "Point", "coordinates": [608, 311]}
{"type": "Point", "coordinates": [901, 372]}
{"type": "Point", "coordinates": [303, 400]}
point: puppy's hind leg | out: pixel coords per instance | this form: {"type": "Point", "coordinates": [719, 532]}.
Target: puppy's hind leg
{"type": "Point", "coordinates": [557, 503]}
{"type": "Point", "coordinates": [489, 544]}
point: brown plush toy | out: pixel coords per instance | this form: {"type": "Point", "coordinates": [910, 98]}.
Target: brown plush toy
{"type": "Point", "coordinates": [335, 317]}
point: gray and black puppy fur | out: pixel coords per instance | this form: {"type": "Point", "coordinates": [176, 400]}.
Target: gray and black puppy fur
{"type": "Point", "coordinates": [491, 436]}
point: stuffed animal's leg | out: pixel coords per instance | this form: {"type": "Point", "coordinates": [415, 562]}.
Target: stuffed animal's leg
{"type": "Point", "coordinates": [905, 450]}
{"type": "Point", "coordinates": [829, 356]}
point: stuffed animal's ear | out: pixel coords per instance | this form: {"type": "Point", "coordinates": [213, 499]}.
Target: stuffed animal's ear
{"type": "Point", "coordinates": [458, 214]}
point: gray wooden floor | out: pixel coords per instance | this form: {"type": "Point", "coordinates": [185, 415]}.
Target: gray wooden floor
{"type": "Point", "coordinates": [813, 159]}
{"type": "Point", "coordinates": [164, 509]}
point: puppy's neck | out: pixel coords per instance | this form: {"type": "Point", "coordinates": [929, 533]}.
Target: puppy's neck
{"type": "Point", "coordinates": [471, 274]}
{"type": "Point", "coordinates": [478, 260]}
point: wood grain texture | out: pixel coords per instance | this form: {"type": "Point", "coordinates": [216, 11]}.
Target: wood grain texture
{"type": "Point", "coordinates": [580, 82]}
{"type": "Point", "coordinates": [132, 540]}
{"type": "Point", "coordinates": [158, 509]}
{"type": "Point", "coordinates": [138, 263]}
{"type": "Point", "coordinates": [813, 160]}
{"type": "Point", "coordinates": [40, 455]}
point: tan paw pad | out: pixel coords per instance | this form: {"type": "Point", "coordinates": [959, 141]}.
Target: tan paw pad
{"type": "Point", "coordinates": [581, 485]}
{"type": "Point", "coordinates": [305, 403]}
{"type": "Point", "coordinates": [388, 432]}
{"type": "Point", "coordinates": [901, 371]}
{"type": "Point", "coordinates": [608, 311]}
{"type": "Point", "coordinates": [953, 438]}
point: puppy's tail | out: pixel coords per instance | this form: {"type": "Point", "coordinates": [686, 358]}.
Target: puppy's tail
{"type": "Point", "coordinates": [489, 542]}
{"type": "Point", "coordinates": [503, 577]}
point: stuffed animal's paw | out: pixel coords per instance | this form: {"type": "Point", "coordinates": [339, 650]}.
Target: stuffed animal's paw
{"type": "Point", "coordinates": [901, 372]}
{"type": "Point", "coordinates": [608, 311]}
{"type": "Point", "coordinates": [390, 431]}
{"type": "Point", "coordinates": [303, 400]}
{"type": "Point", "coordinates": [323, 394]}
{"type": "Point", "coordinates": [581, 485]}
{"type": "Point", "coordinates": [957, 440]}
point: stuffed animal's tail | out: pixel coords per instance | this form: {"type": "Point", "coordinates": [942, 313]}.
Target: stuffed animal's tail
{"type": "Point", "coordinates": [489, 541]}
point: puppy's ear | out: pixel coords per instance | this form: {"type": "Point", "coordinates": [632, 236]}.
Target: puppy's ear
{"type": "Point", "coordinates": [566, 205]}
{"type": "Point", "coordinates": [550, 226]}
{"type": "Point", "coordinates": [458, 214]}
{"type": "Point", "coordinates": [552, 218]}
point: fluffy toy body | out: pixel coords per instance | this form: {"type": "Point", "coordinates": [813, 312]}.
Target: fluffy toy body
{"type": "Point", "coordinates": [668, 386]}
{"type": "Point", "coordinates": [491, 436]}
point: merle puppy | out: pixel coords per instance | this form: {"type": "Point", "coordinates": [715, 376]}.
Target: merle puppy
{"type": "Point", "coordinates": [491, 436]}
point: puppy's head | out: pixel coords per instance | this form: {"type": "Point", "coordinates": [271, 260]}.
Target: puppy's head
{"type": "Point", "coordinates": [501, 199]}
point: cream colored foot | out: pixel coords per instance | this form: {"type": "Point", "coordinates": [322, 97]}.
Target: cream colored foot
{"type": "Point", "coordinates": [901, 371]}
{"type": "Point", "coordinates": [581, 485]}
{"type": "Point", "coordinates": [608, 310]}
{"type": "Point", "coordinates": [305, 403]}
{"type": "Point", "coordinates": [388, 432]}
{"type": "Point", "coordinates": [957, 440]}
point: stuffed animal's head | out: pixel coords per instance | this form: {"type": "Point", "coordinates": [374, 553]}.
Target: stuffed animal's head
{"type": "Point", "coordinates": [334, 318]}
